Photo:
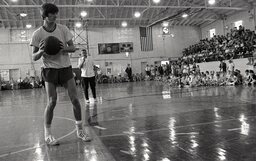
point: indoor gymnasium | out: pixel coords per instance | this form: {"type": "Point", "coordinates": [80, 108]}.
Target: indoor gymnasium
{"type": "Point", "coordinates": [127, 80]}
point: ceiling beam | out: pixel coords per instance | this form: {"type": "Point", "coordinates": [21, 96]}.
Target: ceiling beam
{"type": "Point", "coordinates": [126, 6]}
{"type": "Point", "coordinates": [101, 13]}
{"type": "Point", "coordinates": [79, 19]}
{"type": "Point", "coordinates": [6, 2]}
{"type": "Point", "coordinates": [98, 19]}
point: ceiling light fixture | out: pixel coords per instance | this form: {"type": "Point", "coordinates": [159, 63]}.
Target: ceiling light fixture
{"type": "Point", "coordinates": [137, 14]}
{"type": "Point", "coordinates": [89, 0]}
{"type": "Point", "coordinates": [156, 1]}
{"type": "Point", "coordinates": [14, 0]}
{"type": "Point", "coordinates": [78, 24]}
{"type": "Point", "coordinates": [165, 24]}
{"type": "Point", "coordinates": [211, 2]}
{"type": "Point", "coordinates": [124, 24]}
{"type": "Point", "coordinates": [28, 26]}
{"type": "Point", "coordinates": [23, 14]}
{"type": "Point", "coordinates": [184, 15]}
{"type": "Point", "coordinates": [83, 13]}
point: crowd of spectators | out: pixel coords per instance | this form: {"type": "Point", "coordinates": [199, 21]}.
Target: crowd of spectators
{"type": "Point", "coordinates": [212, 78]}
{"type": "Point", "coordinates": [26, 83]}
{"type": "Point", "coordinates": [184, 75]}
{"type": "Point", "coordinates": [120, 78]}
{"type": "Point", "coordinates": [239, 43]}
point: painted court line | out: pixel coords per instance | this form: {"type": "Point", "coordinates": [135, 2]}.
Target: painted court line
{"type": "Point", "coordinates": [235, 129]}
{"type": "Point", "coordinates": [136, 133]}
{"type": "Point", "coordinates": [100, 127]}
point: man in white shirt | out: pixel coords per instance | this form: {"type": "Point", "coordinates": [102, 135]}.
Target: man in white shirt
{"type": "Point", "coordinates": [86, 64]}
{"type": "Point", "coordinates": [56, 69]}
{"type": "Point", "coordinates": [231, 66]}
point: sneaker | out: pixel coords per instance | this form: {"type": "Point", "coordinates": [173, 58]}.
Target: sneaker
{"type": "Point", "coordinates": [87, 101]}
{"type": "Point", "coordinates": [83, 135]}
{"type": "Point", "coordinates": [50, 140]}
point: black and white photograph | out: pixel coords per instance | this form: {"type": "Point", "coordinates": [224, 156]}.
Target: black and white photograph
{"type": "Point", "coordinates": [127, 80]}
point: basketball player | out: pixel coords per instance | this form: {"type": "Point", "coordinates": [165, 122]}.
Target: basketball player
{"type": "Point", "coordinates": [56, 69]}
{"type": "Point", "coordinates": [85, 63]}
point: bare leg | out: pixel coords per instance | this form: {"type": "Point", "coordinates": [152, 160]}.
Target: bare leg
{"type": "Point", "coordinates": [71, 87]}
{"type": "Point", "coordinates": [48, 112]}
{"type": "Point", "coordinates": [52, 99]}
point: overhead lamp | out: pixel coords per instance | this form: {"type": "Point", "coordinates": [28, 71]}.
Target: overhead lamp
{"type": "Point", "coordinates": [211, 2]}
{"type": "Point", "coordinates": [137, 14]}
{"type": "Point", "coordinates": [83, 13]}
{"type": "Point", "coordinates": [89, 0]}
{"type": "Point", "coordinates": [124, 24]}
{"type": "Point", "coordinates": [184, 15]}
{"type": "Point", "coordinates": [165, 24]}
{"type": "Point", "coordinates": [78, 24]}
{"type": "Point", "coordinates": [156, 1]}
{"type": "Point", "coordinates": [28, 26]}
{"type": "Point", "coordinates": [14, 0]}
{"type": "Point", "coordinates": [23, 14]}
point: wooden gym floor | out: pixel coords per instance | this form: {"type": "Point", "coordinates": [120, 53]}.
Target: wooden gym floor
{"type": "Point", "coordinates": [140, 121]}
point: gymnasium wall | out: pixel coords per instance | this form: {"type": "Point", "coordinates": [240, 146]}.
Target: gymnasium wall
{"type": "Point", "coordinates": [164, 48]}
{"type": "Point", "coordinates": [224, 26]}
{"type": "Point", "coordinates": [16, 55]}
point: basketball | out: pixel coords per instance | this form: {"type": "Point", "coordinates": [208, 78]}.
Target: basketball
{"type": "Point", "coordinates": [52, 45]}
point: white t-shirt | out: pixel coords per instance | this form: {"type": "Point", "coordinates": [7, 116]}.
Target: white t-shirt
{"type": "Point", "coordinates": [64, 35]}
{"type": "Point", "coordinates": [231, 66]}
{"type": "Point", "coordinates": [87, 68]}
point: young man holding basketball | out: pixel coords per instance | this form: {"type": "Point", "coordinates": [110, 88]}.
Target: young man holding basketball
{"type": "Point", "coordinates": [56, 69]}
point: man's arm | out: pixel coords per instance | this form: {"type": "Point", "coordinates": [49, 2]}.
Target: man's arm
{"type": "Point", "coordinates": [70, 48]}
{"type": "Point", "coordinates": [81, 62]}
{"type": "Point", "coordinates": [37, 53]}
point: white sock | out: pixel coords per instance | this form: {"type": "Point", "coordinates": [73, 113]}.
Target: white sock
{"type": "Point", "coordinates": [47, 130]}
{"type": "Point", "coordinates": [79, 125]}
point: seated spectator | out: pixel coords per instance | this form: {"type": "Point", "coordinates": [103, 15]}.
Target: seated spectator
{"type": "Point", "coordinates": [239, 43]}
{"type": "Point", "coordinates": [252, 78]}
{"type": "Point", "coordinates": [246, 78]}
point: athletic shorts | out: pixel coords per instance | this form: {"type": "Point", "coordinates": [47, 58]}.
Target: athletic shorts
{"type": "Point", "coordinates": [57, 76]}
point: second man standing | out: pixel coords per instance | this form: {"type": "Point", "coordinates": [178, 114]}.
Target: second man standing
{"type": "Point", "coordinates": [86, 64]}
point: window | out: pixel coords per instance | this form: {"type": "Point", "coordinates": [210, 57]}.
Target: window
{"type": "Point", "coordinates": [212, 32]}
{"type": "Point", "coordinates": [238, 23]}
{"type": "Point", "coordinates": [4, 75]}
{"type": "Point", "coordinates": [18, 35]}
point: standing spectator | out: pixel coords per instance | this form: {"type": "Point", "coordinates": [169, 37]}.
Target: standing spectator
{"type": "Point", "coordinates": [165, 70]}
{"type": "Point", "coordinates": [197, 69]}
{"type": "Point", "coordinates": [85, 63]}
{"type": "Point", "coordinates": [147, 69]}
{"type": "Point", "coordinates": [128, 70]}
{"type": "Point", "coordinates": [231, 66]}
{"type": "Point", "coordinates": [152, 72]}
{"type": "Point", "coordinates": [223, 66]}
{"type": "Point", "coordinates": [160, 70]}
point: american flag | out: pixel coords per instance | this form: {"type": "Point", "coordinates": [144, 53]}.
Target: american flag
{"type": "Point", "coordinates": [146, 40]}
